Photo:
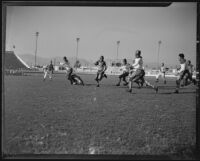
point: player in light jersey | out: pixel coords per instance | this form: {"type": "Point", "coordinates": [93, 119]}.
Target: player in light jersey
{"type": "Point", "coordinates": [125, 72]}
{"type": "Point", "coordinates": [48, 70]}
{"type": "Point", "coordinates": [161, 73]}
{"type": "Point", "coordinates": [101, 69]}
{"type": "Point", "coordinates": [137, 75]}
{"type": "Point", "coordinates": [182, 72]}
{"type": "Point", "coordinates": [69, 70]}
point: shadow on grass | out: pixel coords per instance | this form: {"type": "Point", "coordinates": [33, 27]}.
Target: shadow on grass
{"type": "Point", "coordinates": [189, 92]}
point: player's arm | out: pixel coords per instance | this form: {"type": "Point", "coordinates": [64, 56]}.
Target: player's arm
{"type": "Point", "coordinates": [96, 63]}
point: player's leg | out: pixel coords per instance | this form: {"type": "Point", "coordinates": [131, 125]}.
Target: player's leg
{"type": "Point", "coordinates": [157, 77]}
{"type": "Point", "coordinates": [70, 78]}
{"type": "Point", "coordinates": [104, 75]}
{"type": "Point", "coordinates": [50, 75]}
{"type": "Point", "coordinates": [97, 78]}
{"type": "Point", "coordinates": [191, 79]}
{"type": "Point", "coordinates": [125, 75]}
{"type": "Point", "coordinates": [148, 84]}
{"type": "Point", "coordinates": [45, 75]}
{"type": "Point", "coordinates": [120, 77]}
{"type": "Point", "coordinates": [178, 82]}
{"type": "Point", "coordinates": [131, 77]}
{"type": "Point", "coordinates": [164, 78]}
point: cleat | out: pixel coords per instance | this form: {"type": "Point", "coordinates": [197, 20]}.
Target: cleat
{"type": "Point", "coordinates": [125, 84]}
{"type": "Point", "coordinates": [117, 84]}
{"type": "Point", "coordinates": [105, 76]}
{"type": "Point", "coordinates": [129, 90]}
{"type": "Point", "coordinates": [176, 91]}
{"type": "Point", "coordinates": [97, 85]}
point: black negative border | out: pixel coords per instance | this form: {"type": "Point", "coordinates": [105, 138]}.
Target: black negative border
{"type": "Point", "coordinates": [109, 3]}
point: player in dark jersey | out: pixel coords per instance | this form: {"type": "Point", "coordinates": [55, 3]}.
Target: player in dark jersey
{"type": "Point", "coordinates": [69, 70]}
{"type": "Point", "coordinates": [188, 76]}
{"type": "Point", "coordinates": [101, 69]}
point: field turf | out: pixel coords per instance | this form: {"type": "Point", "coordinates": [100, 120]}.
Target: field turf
{"type": "Point", "coordinates": [54, 117]}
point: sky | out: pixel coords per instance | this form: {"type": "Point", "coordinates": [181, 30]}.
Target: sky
{"type": "Point", "coordinates": [99, 29]}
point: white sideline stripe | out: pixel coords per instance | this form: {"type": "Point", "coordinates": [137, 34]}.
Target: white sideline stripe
{"type": "Point", "coordinates": [21, 61]}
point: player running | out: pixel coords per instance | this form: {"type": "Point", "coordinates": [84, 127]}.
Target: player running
{"type": "Point", "coordinates": [101, 69]}
{"type": "Point", "coordinates": [48, 70]}
{"type": "Point", "coordinates": [69, 70]}
{"type": "Point", "coordinates": [161, 73]}
{"type": "Point", "coordinates": [138, 74]}
{"type": "Point", "coordinates": [182, 73]}
{"type": "Point", "coordinates": [125, 72]}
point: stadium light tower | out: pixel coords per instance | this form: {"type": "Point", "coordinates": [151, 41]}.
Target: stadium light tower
{"type": "Point", "coordinates": [159, 43]}
{"type": "Point", "coordinates": [118, 42]}
{"type": "Point", "coordinates": [36, 36]}
{"type": "Point", "coordinates": [77, 40]}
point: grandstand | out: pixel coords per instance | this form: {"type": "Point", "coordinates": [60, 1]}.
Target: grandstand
{"type": "Point", "coordinates": [14, 62]}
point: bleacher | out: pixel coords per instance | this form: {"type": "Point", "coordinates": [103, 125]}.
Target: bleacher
{"type": "Point", "coordinates": [12, 64]}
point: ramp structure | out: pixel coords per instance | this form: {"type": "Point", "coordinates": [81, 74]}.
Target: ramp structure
{"type": "Point", "coordinates": [13, 61]}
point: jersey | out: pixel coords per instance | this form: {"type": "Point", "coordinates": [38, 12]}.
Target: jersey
{"type": "Point", "coordinates": [183, 66]}
{"type": "Point", "coordinates": [68, 68]}
{"type": "Point", "coordinates": [50, 67]}
{"type": "Point", "coordinates": [138, 63]}
{"type": "Point", "coordinates": [162, 69]}
{"type": "Point", "coordinates": [101, 65]}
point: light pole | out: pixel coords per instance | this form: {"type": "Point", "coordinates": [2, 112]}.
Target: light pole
{"type": "Point", "coordinates": [36, 36]}
{"type": "Point", "coordinates": [77, 40]}
{"type": "Point", "coordinates": [118, 42]}
{"type": "Point", "coordinates": [159, 43]}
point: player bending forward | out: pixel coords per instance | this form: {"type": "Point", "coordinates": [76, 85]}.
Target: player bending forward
{"type": "Point", "coordinates": [69, 70]}
{"type": "Point", "coordinates": [48, 70]}
{"type": "Point", "coordinates": [182, 73]}
{"type": "Point", "coordinates": [137, 73]}
{"type": "Point", "coordinates": [125, 72]}
{"type": "Point", "coordinates": [188, 78]}
{"type": "Point", "coordinates": [101, 69]}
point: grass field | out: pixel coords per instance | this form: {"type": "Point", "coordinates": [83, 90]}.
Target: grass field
{"type": "Point", "coordinates": [54, 117]}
